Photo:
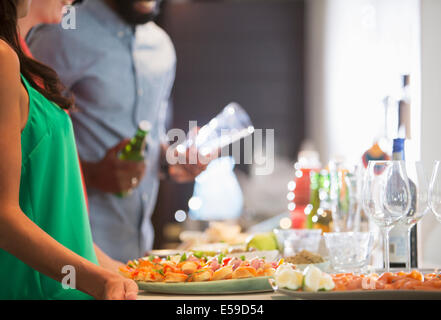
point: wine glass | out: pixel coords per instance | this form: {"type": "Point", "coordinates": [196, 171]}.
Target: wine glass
{"type": "Point", "coordinates": [386, 197]}
{"type": "Point", "coordinates": [435, 191]}
{"type": "Point", "coordinates": [419, 204]}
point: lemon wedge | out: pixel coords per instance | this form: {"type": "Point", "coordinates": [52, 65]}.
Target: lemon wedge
{"type": "Point", "coordinates": [315, 280]}
{"type": "Point", "coordinates": [312, 276]}
{"type": "Point", "coordinates": [326, 282]}
{"type": "Point", "coordinates": [287, 277]}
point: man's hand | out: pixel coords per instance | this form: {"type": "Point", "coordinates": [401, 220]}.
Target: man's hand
{"type": "Point", "coordinates": [112, 174]}
{"type": "Point", "coordinates": [188, 171]}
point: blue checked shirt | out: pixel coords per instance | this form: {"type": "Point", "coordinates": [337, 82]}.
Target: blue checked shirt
{"type": "Point", "coordinates": [119, 75]}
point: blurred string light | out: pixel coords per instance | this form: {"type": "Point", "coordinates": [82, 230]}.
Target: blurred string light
{"type": "Point", "coordinates": [290, 196]}
{"type": "Point", "coordinates": [291, 186]}
{"type": "Point", "coordinates": [308, 209]}
{"type": "Point", "coordinates": [195, 203]}
{"type": "Point", "coordinates": [285, 223]}
{"type": "Point", "coordinates": [291, 206]}
{"type": "Point", "coordinates": [180, 216]}
{"type": "Point", "coordinates": [231, 110]}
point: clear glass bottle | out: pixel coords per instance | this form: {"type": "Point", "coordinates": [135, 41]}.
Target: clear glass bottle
{"type": "Point", "coordinates": [398, 236]}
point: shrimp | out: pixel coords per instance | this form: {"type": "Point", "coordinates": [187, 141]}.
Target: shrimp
{"type": "Point", "coordinates": [188, 267]}
{"type": "Point", "coordinates": [244, 272]}
{"type": "Point", "coordinates": [203, 274]}
{"type": "Point", "coordinates": [223, 273]}
{"type": "Point", "coordinates": [175, 277]}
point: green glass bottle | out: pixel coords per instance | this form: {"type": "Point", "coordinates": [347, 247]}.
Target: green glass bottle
{"type": "Point", "coordinates": [314, 202]}
{"type": "Point", "coordinates": [323, 219]}
{"type": "Point", "coordinates": [135, 149]}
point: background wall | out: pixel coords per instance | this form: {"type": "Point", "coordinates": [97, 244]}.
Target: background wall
{"type": "Point", "coordinates": [250, 52]}
{"type": "Point", "coordinates": [431, 115]}
{"type": "Point", "coordinates": [357, 51]}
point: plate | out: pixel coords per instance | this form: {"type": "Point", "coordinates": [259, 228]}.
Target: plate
{"type": "Point", "coordinates": [364, 295]}
{"type": "Point", "coordinates": [248, 285]}
{"type": "Point", "coordinates": [360, 294]}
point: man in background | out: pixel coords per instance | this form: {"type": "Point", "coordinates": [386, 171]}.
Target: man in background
{"type": "Point", "coordinates": [120, 66]}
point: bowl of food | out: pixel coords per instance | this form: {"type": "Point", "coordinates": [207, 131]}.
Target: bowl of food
{"type": "Point", "coordinates": [304, 258]}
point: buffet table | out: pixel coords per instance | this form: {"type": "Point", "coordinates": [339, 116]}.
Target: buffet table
{"type": "Point", "coordinates": [251, 296]}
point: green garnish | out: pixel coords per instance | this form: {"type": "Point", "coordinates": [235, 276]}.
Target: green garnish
{"type": "Point", "coordinates": [183, 257]}
{"type": "Point", "coordinates": [198, 254]}
{"type": "Point", "coordinates": [220, 258]}
{"type": "Point", "coordinates": [242, 258]}
{"type": "Point", "coordinates": [151, 257]}
{"type": "Point", "coordinates": [168, 258]}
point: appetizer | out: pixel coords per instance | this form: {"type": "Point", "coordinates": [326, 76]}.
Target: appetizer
{"type": "Point", "coordinates": [414, 280]}
{"type": "Point", "coordinates": [313, 279]}
{"type": "Point", "coordinates": [192, 268]}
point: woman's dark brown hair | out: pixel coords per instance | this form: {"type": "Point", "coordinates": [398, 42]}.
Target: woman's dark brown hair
{"type": "Point", "coordinates": [44, 79]}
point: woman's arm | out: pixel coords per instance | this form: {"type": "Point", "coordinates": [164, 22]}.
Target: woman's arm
{"type": "Point", "coordinates": [107, 262]}
{"type": "Point", "coordinates": [18, 234]}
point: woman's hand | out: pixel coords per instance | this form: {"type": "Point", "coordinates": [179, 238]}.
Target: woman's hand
{"type": "Point", "coordinates": [119, 288]}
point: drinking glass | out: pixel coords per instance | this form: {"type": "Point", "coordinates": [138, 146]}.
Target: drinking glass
{"type": "Point", "coordinates": [230, 125]}
{"type": "Point", "coordinates": [435, 190]}
{"type": "Point", "coordinates": [386, 197]}
{"type": "Point", "coordinates": [302, 239]}
{"type": "Point", "coordinates": [344, 211]}
{"type": "Point", "coordinates": [419, 205]}
{"type": "Point", "coordinates": [349, 251]}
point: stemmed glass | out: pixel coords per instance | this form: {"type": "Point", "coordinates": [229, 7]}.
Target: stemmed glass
{"type": "Point", "coordinates": [419, 205]}
{"type": "Point", "coordinates": [435, 191]}
{"type": "Point", "coordinates": [386, 197]}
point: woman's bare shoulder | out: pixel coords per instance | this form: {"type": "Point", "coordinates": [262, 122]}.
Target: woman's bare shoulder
{"type": "Point", "coordinates": [9, 61]}
{"type": "Point", "coordinates": [9, 78]}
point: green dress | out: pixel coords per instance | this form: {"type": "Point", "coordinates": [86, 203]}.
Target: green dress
{"type": "Point", "coordinates": [51, 195]}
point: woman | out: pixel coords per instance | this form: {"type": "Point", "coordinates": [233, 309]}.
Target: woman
{"type": "Point", "coordinates": [51, 12]}
{"type": "Point", "coordinates": [43, 217]}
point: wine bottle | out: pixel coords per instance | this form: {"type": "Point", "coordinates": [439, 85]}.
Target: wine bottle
{"type": "Point", "coordinates": [135, 149]}
{"type": "Point", "coordinates": [404, 104]}
{"type": "Point", "coordinates": [398, 235]}
{"type": "Point", "coordinates": [314, 201]}
{"type": "Point", "coordinates": [320, 215]}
